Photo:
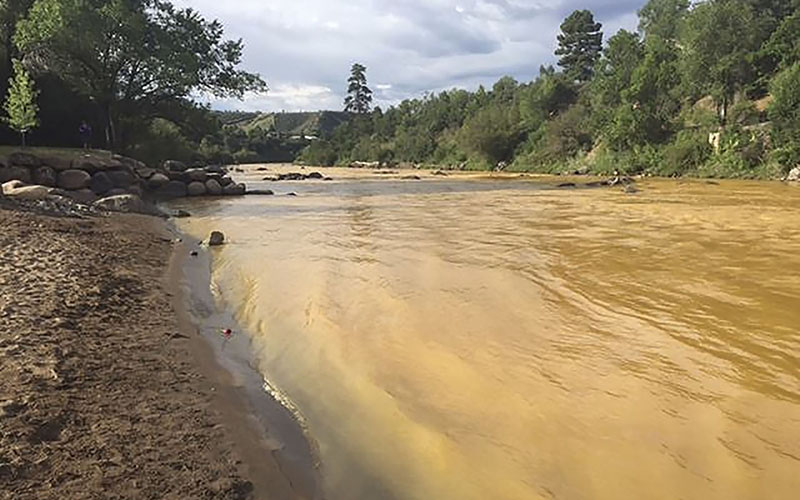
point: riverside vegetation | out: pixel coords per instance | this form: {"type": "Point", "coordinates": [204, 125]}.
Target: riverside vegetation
{"type": "Point", "coordinates": [707, 89]}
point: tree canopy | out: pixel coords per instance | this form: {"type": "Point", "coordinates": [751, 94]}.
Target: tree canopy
{"type": "Point", "coordinates": [579, 45]}
{"type": "Point", "coordinates": [359, 95]}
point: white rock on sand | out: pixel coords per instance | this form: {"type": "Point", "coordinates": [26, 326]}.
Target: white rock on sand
{"type": "Point", "coordinates": [21, 191]}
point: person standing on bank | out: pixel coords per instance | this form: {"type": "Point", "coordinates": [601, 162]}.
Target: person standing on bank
{"type": "Point", "coordinates": [85, 131]}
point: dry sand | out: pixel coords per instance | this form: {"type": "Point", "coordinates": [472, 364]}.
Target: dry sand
{"type": "Point", "coordinates": [102, 393]}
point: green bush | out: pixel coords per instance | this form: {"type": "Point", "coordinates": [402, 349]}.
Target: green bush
{"type": "Point", "coordinates": [785, 114]}
{"type": "Point", "coordinates": [688, 152]}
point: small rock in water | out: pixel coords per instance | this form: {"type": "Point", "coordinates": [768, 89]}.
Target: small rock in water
{"type": "Point", "coordinates": [291, 194]}
{"type": "Point", "coordinates": [194, 253]}
{"type": "Point", "coordinates": [181, 214]}
{"type": "Point", "coordinates": [216, 239]}
{"type": "Point", "coordinates": [631, 189]}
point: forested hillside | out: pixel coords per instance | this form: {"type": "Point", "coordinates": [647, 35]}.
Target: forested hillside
{"type": "Point", "coordinates": [709, 89]}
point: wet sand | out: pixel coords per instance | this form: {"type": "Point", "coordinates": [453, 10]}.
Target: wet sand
{"type": "Point", "coordinates": [106, 389]}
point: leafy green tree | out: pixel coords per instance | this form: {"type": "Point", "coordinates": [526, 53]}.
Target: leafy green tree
{"type": "Point", "coordinates": [783, 46]}
{"type": "Point", "coordinates": [719, 39]}
{"type": "Point", "coordinates": [785, 111]}
{"type": "Point", "coordinates": [663, 18]}
{"type": "Point", "coordinates": [20, 103]}
{"type": "Point", "coordinates": [615, 71]}
{"type": "Point", "coordinates": [130, 56]}
{"type": "Point", "coordinates": [359, 95]}
{"type": "Point", "coordinates": [579, 45]}
{"type": "Point", "coordinates": [493, 133]}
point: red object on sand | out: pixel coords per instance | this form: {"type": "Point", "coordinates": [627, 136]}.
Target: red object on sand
{"type": "Point", "coordinates": [228, 333]}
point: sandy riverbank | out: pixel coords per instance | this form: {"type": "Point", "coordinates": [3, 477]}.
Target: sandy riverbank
{"type": "Point", "coordinates": [105, 392]}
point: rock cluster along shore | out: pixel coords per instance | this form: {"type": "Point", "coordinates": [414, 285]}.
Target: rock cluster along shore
{"type": "Point", "coordinates": [91, 179]}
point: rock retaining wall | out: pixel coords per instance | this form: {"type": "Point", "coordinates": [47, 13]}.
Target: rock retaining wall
{"type": "Point", "coordinates": [87, 178]}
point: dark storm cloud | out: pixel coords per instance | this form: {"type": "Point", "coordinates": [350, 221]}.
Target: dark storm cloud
{"type": "Point", "coordinates": [304, 48]}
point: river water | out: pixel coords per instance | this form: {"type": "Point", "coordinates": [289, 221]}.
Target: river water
{"type": "Point", "coordinates": [464, 338]}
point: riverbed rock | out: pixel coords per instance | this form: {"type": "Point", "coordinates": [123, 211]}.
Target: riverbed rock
{"type": "Point", "coordinates": [144, 172]}
{"type": "Point", "coordinates": [121, 178]}
{"type": "Point", "coordinates": [794, 174]}
{"type": "Point", "coordinates": [15, 173]}
{"type": "Point", "coordinates": [58, 163]}
{"type": "Point", "coordinates": [89, 165]}
{"type": "Point", "coordinates": [126, 203]}
{"type": "Point", "coordinates": [22, 159]}
{"type": "Point", "coordinates": [216, 239]}
{"type": "Point", "coordinates": [215, 169]}
{"type": "Point", "coordinates": [172, 189]}
{"type": "Point", "coordinates": [157, 180]}
{"type": "Point", "coordinates": [101, 183]}
{"type": "Point", "coordinates": [196, 175]}
{"type": "Point", "coordinates": [234, 190]}
{"type": "Point", "coordinates": [74, 179]}
{"type": "Point", "coordinates": [225, 181]}
{"type": "Point", "coordinates": [213, 187]}
{"type": "Point", "coordinates": [45, 176]}
{"type": "Point", "coordinates": [261, 192]}
{"type": "Point", "coordinates": [175, 166]}
{"type": "Point", "coordinates": [196, 189]}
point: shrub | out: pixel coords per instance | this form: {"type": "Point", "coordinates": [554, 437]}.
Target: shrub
{"type": "Point", "coordinates": [688, 152]}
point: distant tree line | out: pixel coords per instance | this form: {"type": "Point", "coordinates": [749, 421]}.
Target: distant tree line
{"type": "Point", "coordinates": [710, 88]}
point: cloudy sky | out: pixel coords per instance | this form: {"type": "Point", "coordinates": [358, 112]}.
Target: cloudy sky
{"type": "Point", "coordinates": [304, 48]}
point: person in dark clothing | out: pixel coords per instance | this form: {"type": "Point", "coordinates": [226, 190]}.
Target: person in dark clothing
{"type": "Point", "coordinates": [85, 131]}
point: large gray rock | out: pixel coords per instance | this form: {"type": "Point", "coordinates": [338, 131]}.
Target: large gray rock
{"type": "Point", "coordinates": [157, 180]}
{"type": "Point", "coordinates": [16, 174]}
{"type": "Point", "coordinates": [126, 203]}
{"type": "Point", "coordinates": [22, 159]}
{"type": "Point", "coordinates": [174, 166]}
{"type": "Point", "coordinates": [45, 176]}
{"type": "Point", "coordinates": [89, 165]}
{"type": "Point", "coordinates": [144, 172]}
{"type": "Point", "coordinates": [234, 190]}
{"type": "Point", "coordinates": [57, 163]}
{"type": "Point", "coordinates": [213, 187]}
{"type": "Point", "coordinates": [794, 175]}
{"type": "Point", "coordinates": [74, 179]}
{"type": "Point", "coordinates": [225, 181]}
{"type": "Point", "coordinates": [216, 239]}
{"type": "Point", "coordinates": [101, 183]}
{"type": "Point", "coordinates": [121, 178]}
{"type": "Point", "coordinates": [214, 169]}
{"type": "Point", "coordinates": [84, 196]}
{"type": "Point", "coordinates": [196, 189]}
{"type": "Point", "coordinates": [196, 175]}
{"type": "Point", "coordinates": [173, 189]}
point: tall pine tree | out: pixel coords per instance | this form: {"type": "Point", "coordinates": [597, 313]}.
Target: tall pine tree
{"type": "Point", "coordinates": [579, 45]}
{"type": "Point", "coordinates": [359, 96]}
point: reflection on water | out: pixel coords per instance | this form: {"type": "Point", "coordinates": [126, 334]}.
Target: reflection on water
{"type": "Point", "coordinates": [468, 339]}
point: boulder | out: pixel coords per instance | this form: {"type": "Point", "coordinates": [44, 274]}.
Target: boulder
{"type": "Point", "coordinates": [157, 180]}
{"type": "Point", "coordinates": [178, 176]}
{"type": "Point", "coordinates": [126, 203]}
{"type": "Point", "coordinates": [794, 175]}
{"type": "Point", "coordinates": [216, 239]}
{"type": "Point", "coordinates": [115, 192]}
{"type": "Point", "coordinates": [213, 187]}
{"type": "Point", "coordinates": [15, 173]}
{"type": "Point", "coordinates": [181, 214]}
{"type": "Point", "coordinates": [84, 196]}
{"type": "Point", "coordinates": [144, 172]}
{"type": "Point", "coordinates": [196, 175]}
{"type": "Point", "coordinates": [101, 183]}
{"type": "Point", "coordinates": [234, 190]}
{"type": "Point", "coordinates": [196, 189]}
{"type": "Point", "coordinates": [121, 178]}
{"type": "Point", "coordinates": [74, 179]}
{"type": "Point", "coordinates": [215, 169]}
{"type": "Point", "coordinates": [262, 192]}
{"type": "Point", "coordinates": [20, 191]}
{"type": "Point", "coordinates": [21, 159]}
{"type": "Point", "coordinates": [172, 189]}
{"type": "Point", "coordinates": [57, 163]}
{"type": "Point", "coordinates": [136, 189]}
{"type": "Point", "coordinates": [225, 181]}
{"type": "Point", "coordinates": [315, 175]}
{"type": "Point", "coordinates": [174, 166]}
{"type": "Point", "coordinates": [45, 176]}
{"type": "Point", "coordinates": [89, 165]}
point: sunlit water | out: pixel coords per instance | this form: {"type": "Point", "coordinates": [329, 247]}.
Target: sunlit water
{"type": "Point", "coordinates": [496, 339]}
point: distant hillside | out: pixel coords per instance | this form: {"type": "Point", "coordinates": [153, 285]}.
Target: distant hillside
{"type": "Point", "coordinates": [318, 123]}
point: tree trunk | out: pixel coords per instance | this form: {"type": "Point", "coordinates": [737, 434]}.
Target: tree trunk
{"type": "Point", "coordinates": [23, 139]}
{"type": "Point", "coordinates": [109, 126]}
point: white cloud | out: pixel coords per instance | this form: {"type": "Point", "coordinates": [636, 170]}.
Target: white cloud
{"type": "Point", "coordinates": [304, 48]}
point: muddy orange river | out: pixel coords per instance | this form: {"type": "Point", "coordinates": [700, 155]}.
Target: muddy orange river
{"type": "Point", "coordinates": [467, 338]}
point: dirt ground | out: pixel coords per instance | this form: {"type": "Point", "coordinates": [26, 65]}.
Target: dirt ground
{"type": "Point", "coordinates": [99, 394]}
